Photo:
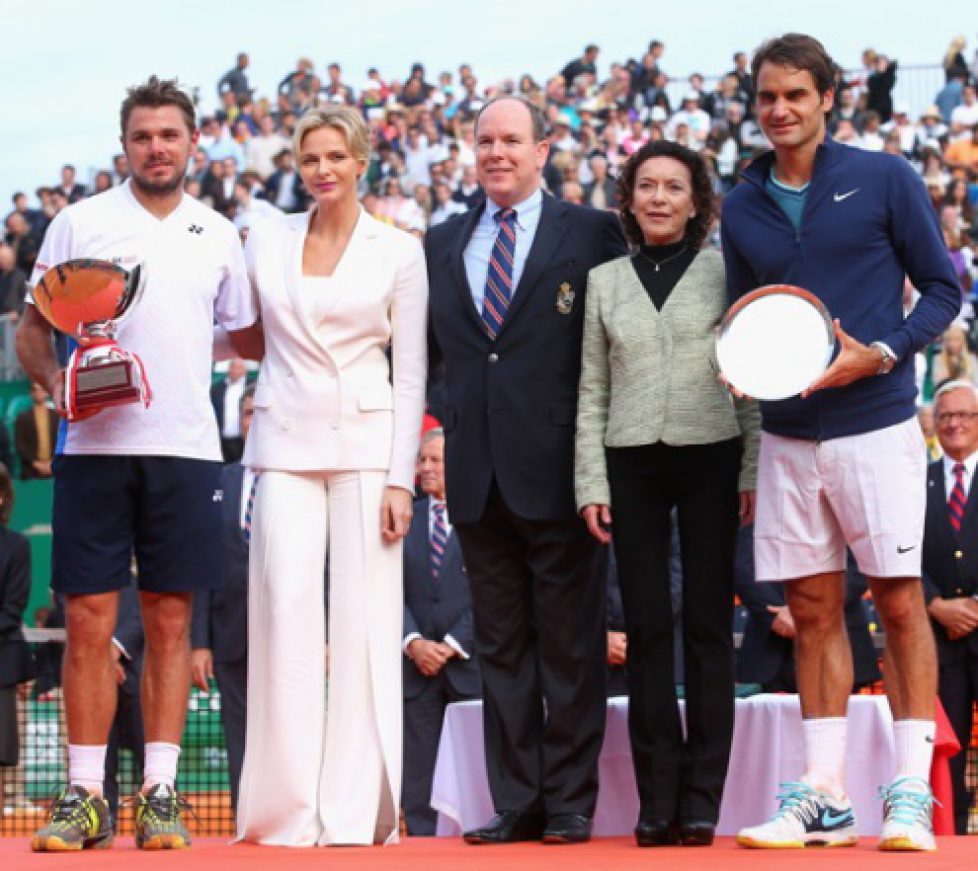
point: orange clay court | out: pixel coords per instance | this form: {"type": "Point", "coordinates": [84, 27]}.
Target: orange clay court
{"type": "Point", "coordinates": [429, 854]}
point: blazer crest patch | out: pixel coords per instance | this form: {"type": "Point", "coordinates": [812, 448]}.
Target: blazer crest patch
{"type": "Point", "coordinates": [565, 299]}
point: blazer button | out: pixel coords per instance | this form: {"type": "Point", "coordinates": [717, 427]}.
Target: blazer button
{"type": "Point", "coordinates": [959, 591]}
{"type": "Point", "coordinates": [958, 554]}
{"type": "Point", "coordinates": [494, 357]}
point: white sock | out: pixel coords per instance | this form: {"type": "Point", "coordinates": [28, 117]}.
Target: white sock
{"type": "Point", "coordinates": [914, 748]}
{"type": "Point", "coordinates": [161, 764]}
{"type": "Point", "coordinates": [825, 754]}
{"type": "Point", "coordinates": [86, 766]}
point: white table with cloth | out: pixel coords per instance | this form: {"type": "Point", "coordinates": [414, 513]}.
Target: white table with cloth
{"type": "Point", "coordinates": [768, 748]}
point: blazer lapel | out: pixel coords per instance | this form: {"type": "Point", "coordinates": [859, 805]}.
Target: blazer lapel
{"type": "Point", "coordinates": [549, 233]}
{"type": "Point", "coordinates": [457, 265]}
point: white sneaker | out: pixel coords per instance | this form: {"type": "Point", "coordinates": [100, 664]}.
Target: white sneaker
{"type": "Point", "coordinates": [807, 817]}
{"type": "Point", "coordinates": [908, 806]}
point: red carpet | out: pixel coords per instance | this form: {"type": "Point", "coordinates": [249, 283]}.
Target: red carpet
{"type": "Point", "coordinates": [424, 854]}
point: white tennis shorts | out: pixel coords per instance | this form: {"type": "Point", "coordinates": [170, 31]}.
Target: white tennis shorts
{"type": "Point", "coordinates": [814, 498]}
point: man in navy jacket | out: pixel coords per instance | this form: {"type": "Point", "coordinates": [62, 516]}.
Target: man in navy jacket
{"type": "Point", "coordinates": [844, 463]}
{"type": "Point", "coordinates": [439, 649]}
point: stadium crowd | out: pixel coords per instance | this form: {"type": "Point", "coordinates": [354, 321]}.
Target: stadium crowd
{"type": "Point", "coordinates": [422, 166]}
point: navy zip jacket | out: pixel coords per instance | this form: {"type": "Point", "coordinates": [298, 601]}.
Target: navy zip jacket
{"type": "Point", "coordinates": [867, 223]}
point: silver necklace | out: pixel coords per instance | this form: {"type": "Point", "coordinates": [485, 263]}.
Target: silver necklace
{"type": "Point", "coordinates": [658, 264]}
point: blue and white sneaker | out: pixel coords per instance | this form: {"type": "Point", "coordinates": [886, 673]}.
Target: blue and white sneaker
{"type": "Point", "coordinates": [908, 824]}
{"type": "Point", "coordinates": [806, 817]}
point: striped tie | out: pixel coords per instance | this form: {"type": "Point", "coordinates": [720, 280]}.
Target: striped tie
{"type": "Point", "coordinates": [439, 537]}
{"type": "Point", "coordinates": [955, 505]}
{"type": "Point", "coordinates": [250, 509]}
{"type": "Point", "coordinates": [499, 280]}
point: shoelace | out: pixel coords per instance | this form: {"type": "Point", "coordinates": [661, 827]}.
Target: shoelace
{"type": "Point", "coordinates": [905, 805]}
{"type": "Point", "coordinates": [166, 808]}
{"type": "Point", "coordinates": [799, 800]}
{"type": "Point", "coordinates": [67, 809]}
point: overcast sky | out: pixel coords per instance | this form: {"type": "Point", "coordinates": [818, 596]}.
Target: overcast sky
{"type": "Point", "coordinates": [65, 64]}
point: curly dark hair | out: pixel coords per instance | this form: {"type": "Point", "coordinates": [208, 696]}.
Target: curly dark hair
{"type": "Point", "coordinates": [698, 226]}
{"type": "Point", "coordinates": [6, 495]}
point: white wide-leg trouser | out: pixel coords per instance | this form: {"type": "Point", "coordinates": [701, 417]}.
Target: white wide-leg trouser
{"type": "Point", "coordinates": [310, 778]}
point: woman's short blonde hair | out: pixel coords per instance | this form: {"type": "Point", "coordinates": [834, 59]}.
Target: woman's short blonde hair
{"type": "Point", "coordinates": [344, 119]}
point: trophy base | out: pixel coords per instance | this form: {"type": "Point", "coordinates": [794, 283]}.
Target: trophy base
{"type": "Point", "coordinates": [102, 378]}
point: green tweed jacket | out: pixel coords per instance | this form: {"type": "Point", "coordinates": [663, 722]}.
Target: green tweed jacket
{"type": "Point", "coordinates": [649, 376]}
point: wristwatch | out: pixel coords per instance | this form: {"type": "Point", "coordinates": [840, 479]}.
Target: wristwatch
{"type": "Point", "coordinates": [889, 358]}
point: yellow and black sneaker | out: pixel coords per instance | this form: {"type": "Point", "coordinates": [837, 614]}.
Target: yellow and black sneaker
{"type": "Point", "coordinates": [78, 821]}
{"type": "Point", "coordinates": [158, 823]}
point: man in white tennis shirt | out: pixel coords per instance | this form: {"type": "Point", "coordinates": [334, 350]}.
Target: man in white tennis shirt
{"type": "Point", "coordinates": [140, 480]}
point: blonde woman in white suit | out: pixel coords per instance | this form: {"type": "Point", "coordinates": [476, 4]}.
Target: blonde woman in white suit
{"type": "Point", "coordinates": [334, 440]}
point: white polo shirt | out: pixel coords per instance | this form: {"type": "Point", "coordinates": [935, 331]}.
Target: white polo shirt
{"type": "Point", "coordinates": [195, 274]}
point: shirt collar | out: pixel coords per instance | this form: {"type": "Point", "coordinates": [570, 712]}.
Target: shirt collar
{"type": "Point", "coordinates": [969, 465]}
{"type": "Point", "coordinates": [526, 210]}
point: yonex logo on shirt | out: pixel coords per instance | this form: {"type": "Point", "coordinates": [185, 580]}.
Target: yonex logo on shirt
{"type": "Point", "coordinates": [195, 228]}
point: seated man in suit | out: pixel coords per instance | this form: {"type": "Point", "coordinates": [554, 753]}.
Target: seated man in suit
{"type": "Point", "coordinates": [219, 627]}
{"type": "Point", "coordinates": [439, 664]}
{"type": "Point", "coordinates": [36, 433]}
{"type": "Point", "coordinates": [226, 398]}
{"type": "Point", "coordinates": [767, 652]}
{"type": "Point", "coordinates": [950, 571]}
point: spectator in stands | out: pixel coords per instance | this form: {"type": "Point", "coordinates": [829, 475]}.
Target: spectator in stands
{"type": "Point", "coordinates": [70, 187]}
{"type": "Point", "coordinates": [23, 240]}
{"type": "Point", "coordinates": [445, 206]}
{"type": "Point", "coordinates": [250, 208]}
{"type": "Point", "coordinates": [261, 149]}
{"type": "Point", "coordinates": [636, 460]}
{"type": "Point", "coordinates": [295, 86]}
{"type": "Point", "coordinates": [35, 434]}
{"type": "Point", "coordinates": [950, 572]}
{"type": "Point", "coordinates": [879, 87]}
{"type": "Point", "coordinates": [602, 191]}
{"type": "Point", "coordinates": [962, 153]}
{"type": "Point", "coordinates": [439, 649]}
{"type": "Point", "coordinates": [957, 196]}
{"type": "Point", "coordinates": [13, 283]}
{"type": "Point", "coordinates": [284, 186]}
{"type": "Point", "coordinates": [16, 662]}
{"type": "Point", "coordinates": [949, 97]}
{"type": "Point", "coordinates": [235, 81]}
{"type": "Point", "coordinates": [584, 65]}
{"type": "Point", "coordinates": [953, 62]}
{"type": "Point", "coordinates": [36, 219]}
{"type": "Point", "coordinates": [964, 117]}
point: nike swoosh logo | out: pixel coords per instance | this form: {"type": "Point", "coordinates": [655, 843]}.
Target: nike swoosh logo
{"type": "Point", "coordinates": [840, 197]}
{"type": "Point", "coordinates": [905, 549]}
{"type": "Point", "coordinates": [833, 820]}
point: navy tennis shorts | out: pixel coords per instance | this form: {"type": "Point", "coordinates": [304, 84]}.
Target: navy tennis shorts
{"type": "Point", "coordinates": [165, 511]}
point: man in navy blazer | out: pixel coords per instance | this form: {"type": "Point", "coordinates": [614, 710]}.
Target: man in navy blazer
{"type": "Point", "coordinates": [950, 571]}
{"type": "Point", "coordinates": [439, 651]}
{"type": "Point", "coordinates": [219, 626]}
{"type": "Point", "coordinates": [512, 365]}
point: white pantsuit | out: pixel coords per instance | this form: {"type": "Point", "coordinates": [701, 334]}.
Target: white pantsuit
{"type": "Point", "coordinates": [334, 425]}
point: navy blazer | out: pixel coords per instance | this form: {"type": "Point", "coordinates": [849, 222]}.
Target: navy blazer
{"type": "Point", "coordinates": [511, 403]}
{"type": "Point", "coordinates": [16, 662]}
{"type": "Point", "coordinates": [436, 607]}
{"type": "Point", "coordinates": [220, 618]}
{"type": "Point", "coordinates": [950, 561]}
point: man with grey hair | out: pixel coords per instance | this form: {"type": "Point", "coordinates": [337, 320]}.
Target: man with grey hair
{"type": "Point", "coordinates": [507, 284]}
{"type": "Point", "coordinates": [439, 649]}
{"type": "Point", "coordinates": [950, 571]}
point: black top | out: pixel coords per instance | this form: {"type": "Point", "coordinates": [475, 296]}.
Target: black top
{"type": "Point", "coordinates": [673, 260]}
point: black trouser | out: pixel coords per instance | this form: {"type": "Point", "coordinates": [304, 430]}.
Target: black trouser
{"type": "Point", "coordinates": [538, 602]}
{"type": "Point", "coordinates": [232, 681]}
{"type": "Point", "coordinates": [957, 686]}
{"type": "Point", "coordinates": [423, 716]}
{"type": "Point", "coordinates": [678, 780]}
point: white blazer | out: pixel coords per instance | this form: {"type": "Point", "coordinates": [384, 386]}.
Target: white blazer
{"type": "Point", "coordinates": [326, 396]}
